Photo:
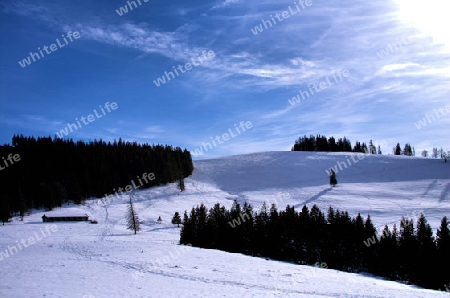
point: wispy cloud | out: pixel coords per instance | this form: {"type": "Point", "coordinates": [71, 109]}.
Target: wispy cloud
{"type": "Point", "coordinates": [250, 77]}
{"type": "Point", "coordinates": [31, 122]}
{"type": "Point", "coordinates": [225, 4]}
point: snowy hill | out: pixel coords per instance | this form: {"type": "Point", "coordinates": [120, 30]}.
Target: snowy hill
{"type": "Point", "coordinates": [387, 187]}
{"type": "Point", "coordinates": [78, 259]}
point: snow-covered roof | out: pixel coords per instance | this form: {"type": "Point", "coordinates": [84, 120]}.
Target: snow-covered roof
{"type": "Point", "coordinates": [66, 215]}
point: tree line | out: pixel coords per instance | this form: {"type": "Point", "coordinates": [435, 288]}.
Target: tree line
{"type": "Point", "coordinates": [54, 171]}
{"type": "Point", "coordinates": [323, 144]}
{"type": "Point", "coordinates": [437, 153]}
{"type": "Point", "coordinates": [411, 254]}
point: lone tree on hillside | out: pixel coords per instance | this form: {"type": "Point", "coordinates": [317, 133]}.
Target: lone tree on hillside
{"type": "Point", "coordinates": [176, 220]}
{"type": "Point", "coordinates": [132, 218]}
{"type": "Point", "coordinates": [333, 180]}
{"type": "Point", "coordinates": [181, 185]}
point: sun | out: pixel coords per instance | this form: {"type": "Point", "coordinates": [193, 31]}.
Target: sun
{"type": "Point", "coordinates": [430, 17]}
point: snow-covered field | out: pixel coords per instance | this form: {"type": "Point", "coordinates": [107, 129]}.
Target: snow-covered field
{"type": "Point", "coordinates": [79, 259]}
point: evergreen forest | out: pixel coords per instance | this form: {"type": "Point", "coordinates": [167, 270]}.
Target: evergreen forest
{"type": "Point", "coordinates": [51, 172]}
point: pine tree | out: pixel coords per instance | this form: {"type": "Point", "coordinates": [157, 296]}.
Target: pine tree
{"type": "Point", "coordinates": [333, 180]}
{"type": "Point", "coordinates": [445, 156]}
{"type": "Point", "coordinates": [248, 226]}
{"type": "Point", "coordinates": [388, 253]}
{"type": "Point", "coordinates": [215, 224]}
{"type": "Point", "coordinates": [202, 215]}
{"type": "Point", "coordinates": [132, 218]}
{"type": "Point", "coordinates": [435, 152]}
{"type": "Point", "coordinates": [424, 232]}
{"type": "Point", "coordinates": [331, 217]}
{"type": "Point", "coordinates": [397, 149]}
{"type": "Point", "coordinates": [408, 250]}
{"type": "Point", "coordinates": [370, 252]}
{"type": "Point", "coordinates": [187, 230]}
{"type": "Point", "coordinates": [273, 232]}
{"type": "Point", "coordinates": [332, 144]}
{"type": "Point", "coordinates": [181, 185]}
{"type": "Point", "coordinates": [5, 213]}
{"type": "Point", "coordinates": [443, 236]}
{"type": "Point", "coordinates": [443, 254]}
{"type": "Point", "coordinates": [426, 254]}
{"type": "Point", "coordinates": [303, 236]}
{"type": "Point", "coordinates": [407, 150]}
{"type": "Point", "coordinates": [347, 145]}
{"type": "Point", "coordinates": [261, 233]}
{"type": "Point", "coordinates": [372, 148]}
{"type": "Point", "coordinates": [364, 148]}
{"type": "Point", "coordinates": [176, 220]}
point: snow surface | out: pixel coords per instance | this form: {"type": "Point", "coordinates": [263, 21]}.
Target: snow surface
{"type": "Point", "coordinates": [80, 259]}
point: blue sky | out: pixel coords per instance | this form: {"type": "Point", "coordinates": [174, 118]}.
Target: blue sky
{"type": "Point", "coordinates": [250, 78]}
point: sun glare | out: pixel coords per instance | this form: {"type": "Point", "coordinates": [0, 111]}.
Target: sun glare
{"type": "Point", "coordinates": [429, 17]}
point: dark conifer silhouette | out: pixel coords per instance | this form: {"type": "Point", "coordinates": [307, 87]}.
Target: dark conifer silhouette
{"type": "Point", "coordinates": [407, 150]}
{"type": "Point", "coordinates": [397, 149]}
{"type": "Point", "coordinates": [426, 254]}
{"type": "Point", "coordinates": [443, 254]}
{"type": "Point", "coordinates": [333, 180]}
{"type": "Point", "coordinates": [408, 249]}
{"type": "Point", "coordinates": [77, 170]}
{"type": "Point", "coordinates": [5, 213]}
{"type": "Point", "coordinates": [181, 185]}
{"type": "Point", "coordinates": [132, 218]}
{"type": "Point", "coordinates": [186, 235]}
{"type": "Point", "coordinates": [176, 220]}
{"type": "Point", "coordinates": [337, 241]}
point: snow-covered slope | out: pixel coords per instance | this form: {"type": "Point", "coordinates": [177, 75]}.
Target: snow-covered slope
{"type": "Point", "coordinates": [388, 187]}
{"type": "Point", "coordinates": [105, 260]}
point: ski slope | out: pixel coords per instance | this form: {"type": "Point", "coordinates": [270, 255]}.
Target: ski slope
{"type": "Point", "coordinates": [79, 259]}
